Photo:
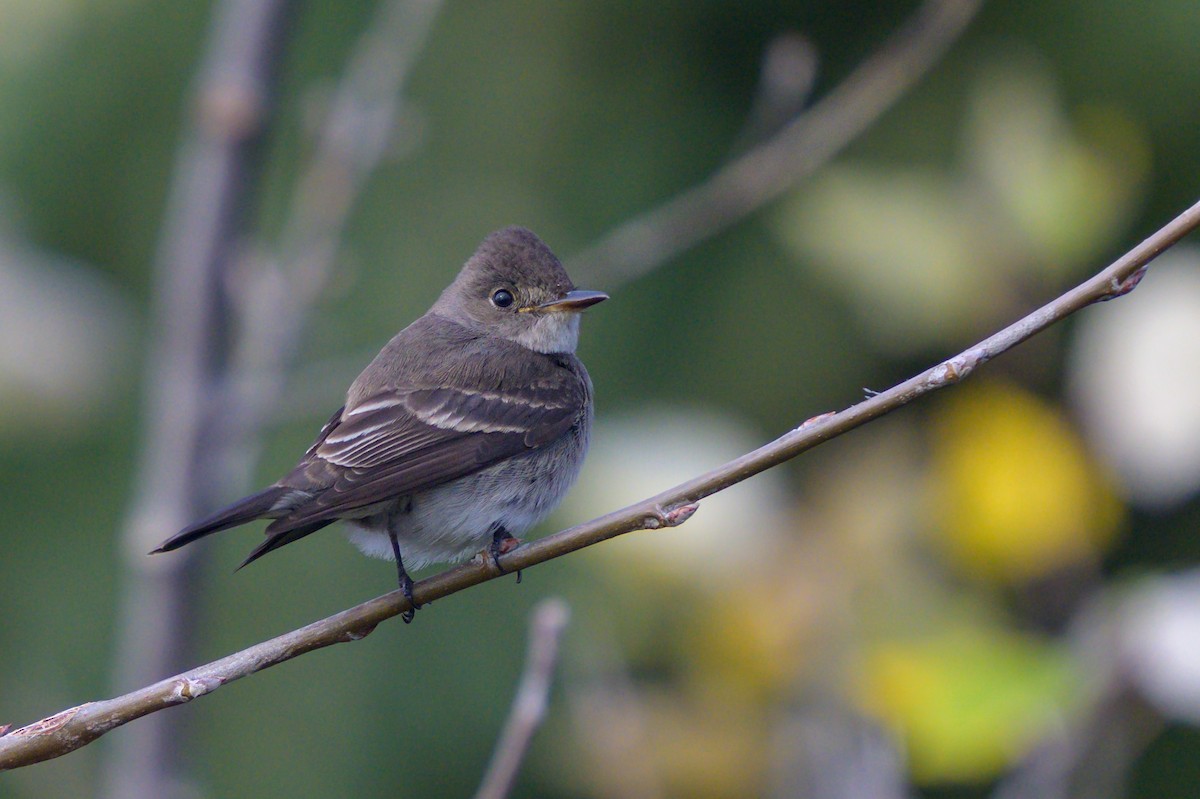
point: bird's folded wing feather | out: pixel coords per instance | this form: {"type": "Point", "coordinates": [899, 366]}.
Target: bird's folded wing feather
{"type": "Point", "coordinates": [407, 440]}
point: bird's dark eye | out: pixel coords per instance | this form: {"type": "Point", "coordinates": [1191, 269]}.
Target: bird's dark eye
{"type": "Point", "coordinates": [502, 298]}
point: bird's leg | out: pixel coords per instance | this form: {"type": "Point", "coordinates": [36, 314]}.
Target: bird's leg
{"type": "Point", "coordinates": [502, 543]}
{"type": "Point", "coordinates": [406, 583]}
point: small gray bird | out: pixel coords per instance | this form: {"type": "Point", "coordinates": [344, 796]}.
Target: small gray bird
{"type": "Point", "coordinates": [467, 429]}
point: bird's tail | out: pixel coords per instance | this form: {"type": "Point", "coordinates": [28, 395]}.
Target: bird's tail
{"type": "Point", "coordinates": [244, 510]}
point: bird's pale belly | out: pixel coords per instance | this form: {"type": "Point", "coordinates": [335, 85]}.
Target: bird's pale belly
{"type": "Point", "coordinates": [452, 522]}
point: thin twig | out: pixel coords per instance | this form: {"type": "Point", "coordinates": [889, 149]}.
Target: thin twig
{"type": "Point", "coordinates": [1092, 756]}
{"type": "Point", "coordinates": [529, 705]}
{"type": "Point", "coordinates": [72, 728]}
{"type": "Point", "coordinates": [215, 173]}
{"type": "Point", "coordinates": [785, 84]}
{"type": "Point", "coordinates": [764, 173]}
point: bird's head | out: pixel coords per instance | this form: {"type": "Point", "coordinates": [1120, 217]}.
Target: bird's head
{"type": "Point", "coordinates": [516, 288]}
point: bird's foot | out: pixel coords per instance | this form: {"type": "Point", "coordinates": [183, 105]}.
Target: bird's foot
{"type": "Point", "coordinates": [502, 543]}
{"type": "Point", "coordinates": [406, 583]}
{"type": "Point", "coordinates": [406, 586]}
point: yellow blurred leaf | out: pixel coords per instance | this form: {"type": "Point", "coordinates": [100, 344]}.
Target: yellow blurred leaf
{"type": "Point", "coordinates": [1013, 494]}
{"type": "Point", "coordinates": [706, 747]}
{"type": "Point", "coordinates": [752, 639]}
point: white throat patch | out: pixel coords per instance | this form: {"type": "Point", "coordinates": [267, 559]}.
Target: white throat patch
{"type": "Point", "coordinates": [551, 332]}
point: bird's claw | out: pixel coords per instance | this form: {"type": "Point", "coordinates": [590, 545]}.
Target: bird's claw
{"type": "Point", "coordinates": [502, 544]}
{"type": "Point", "coordinates": [406, 586]}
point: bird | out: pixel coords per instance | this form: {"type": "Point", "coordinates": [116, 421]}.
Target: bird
{"type": "Point", "coordinates": [466, 430]}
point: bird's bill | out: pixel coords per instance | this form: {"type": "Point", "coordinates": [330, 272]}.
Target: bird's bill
{"type": "Point", "coordinates": [575, 300]}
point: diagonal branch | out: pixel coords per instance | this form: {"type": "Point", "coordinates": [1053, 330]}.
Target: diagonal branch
{"type": "Point", "coordinates": [77, 726]}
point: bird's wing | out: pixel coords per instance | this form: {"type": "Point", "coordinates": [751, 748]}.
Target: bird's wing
{"type": "Point", "coordinates": [406, 440]}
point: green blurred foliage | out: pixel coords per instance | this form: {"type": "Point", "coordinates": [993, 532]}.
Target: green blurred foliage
{"type": "Point", "coordinates": [969, 698]}
{"type": "Point", "coordinates": [1054, 135]}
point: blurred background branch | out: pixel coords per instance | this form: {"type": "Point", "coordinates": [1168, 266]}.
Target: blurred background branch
{"type": "Point", "coordinates": [798, 149]}
{"type": "Point", "coordinates": [276, 291]}
{"type": "Point", "coordinates": [546, 626]}
{"type": "Point", "coordinates": [78, 726]}
{"type": "Point", "coordinates": [215, 177]}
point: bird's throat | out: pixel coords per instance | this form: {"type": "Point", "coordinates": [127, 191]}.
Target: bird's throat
{"type": "Point", "coordinates": [551, 333]}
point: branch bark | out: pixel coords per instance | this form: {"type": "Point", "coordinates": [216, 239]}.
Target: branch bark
{"type": "Point", "coordinates": [78, 726]}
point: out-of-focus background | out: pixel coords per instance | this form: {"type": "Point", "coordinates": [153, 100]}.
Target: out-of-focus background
{"type": "Point", "coordinates": [992, 593]}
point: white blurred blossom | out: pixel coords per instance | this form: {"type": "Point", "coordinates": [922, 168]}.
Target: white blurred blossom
{"type": "Point", "coordinates": [65, 334]}
{"type": "Point", "coordinates": [636, 456]}
{"type": "Point", "coordinates": [1135, 376]}
{"type": "Point", "coordinates": [1160, 637]}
